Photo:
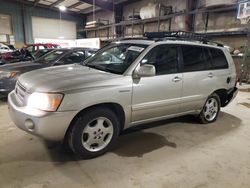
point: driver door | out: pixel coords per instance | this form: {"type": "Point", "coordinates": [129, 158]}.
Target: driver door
{"type": "Point", "coordinates": [160, 95]}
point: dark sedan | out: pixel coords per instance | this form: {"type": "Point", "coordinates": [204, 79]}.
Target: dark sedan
{"type": "Point", "coordinates": [10, 72]}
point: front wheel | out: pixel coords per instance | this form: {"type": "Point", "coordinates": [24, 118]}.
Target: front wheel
{"type": "Point", "coordinates": [94, 132]}
{"type": "Point", "coordinates": [211, 109]}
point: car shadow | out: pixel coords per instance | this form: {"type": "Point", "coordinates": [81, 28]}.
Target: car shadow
{"type": "Point", "coordinates": [137, 141]}
{"type": "Point", "coordinates": [140, 140]}
{"type": "Point", "coordinates": [3, 99]}
{"type": "Point", "coordinates": [177, 133]}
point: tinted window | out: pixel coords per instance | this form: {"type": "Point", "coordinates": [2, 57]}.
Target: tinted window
{"type": "Point", "coordinates": [164, 58]}
{"type": "Point", "coordinates": [75, 57]}
{"type": "Point", "coordinates": [219, 60]}
{"type": "Point", "coordinates": [195, 58]}
{"type": "Point", "coordinates": [50, 57]}
{"type": "Point", "coordinates": [207, 59]}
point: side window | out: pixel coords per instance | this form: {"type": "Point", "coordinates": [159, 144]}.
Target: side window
{"type": "Point", "coordinates": [219, 60]}
{"type": "Point", "coordinates": [164, 58]}
{"type": "Point", "coordinates": [207, 59]}
{"type": "Point", "coordinates": [74, 57]}
{"type": "Point", "coordinates": [42, 47]}
{"type": "Point", "coordinates": [195, 58]}
{"type": "Point", "coordinates": [30, 49]}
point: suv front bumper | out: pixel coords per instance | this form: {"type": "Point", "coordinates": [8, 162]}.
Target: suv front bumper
{"type": "Point", "coordinates": [48, 125]}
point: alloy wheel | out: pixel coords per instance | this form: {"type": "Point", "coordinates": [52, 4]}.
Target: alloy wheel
{"type": "Point", "coordinates": [211, 109]}
{"type": "Point", "coordinates": [97, 134]}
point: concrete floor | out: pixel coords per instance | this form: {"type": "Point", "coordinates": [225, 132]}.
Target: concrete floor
{"type": "Point", "coordinates": [178, 153]}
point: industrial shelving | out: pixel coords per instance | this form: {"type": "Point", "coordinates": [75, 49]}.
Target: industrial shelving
{"type": "Point", "coordinates": [159, 19]}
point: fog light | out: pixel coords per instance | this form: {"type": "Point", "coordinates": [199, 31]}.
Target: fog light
{"type": "Point", "coordinates": [29, 124]}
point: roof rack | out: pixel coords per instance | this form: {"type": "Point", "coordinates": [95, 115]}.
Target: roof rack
{"type": "Point", "coordinates": [176, 34]}
{"type": "Point", "coordinates": [180, 35]}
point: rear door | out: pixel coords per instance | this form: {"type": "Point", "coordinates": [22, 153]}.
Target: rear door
{"type": "Point", "coordinates": [158, 96]}
{"type": "Point", "coordinates": [220, 69]}
{"type": "Point", "coordinates": [198, 77]}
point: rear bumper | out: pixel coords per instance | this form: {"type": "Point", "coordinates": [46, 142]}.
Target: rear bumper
{"type": "Point", "coordinates": [231, 94]}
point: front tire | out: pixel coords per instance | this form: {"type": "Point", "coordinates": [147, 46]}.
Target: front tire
{"type": "Point", "coordinates": [211, 109]}
{"type": "Point", "coordinates": [94, 132]}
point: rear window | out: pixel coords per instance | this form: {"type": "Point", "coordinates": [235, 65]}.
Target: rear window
{"type": "Point", "coordinates": [218, 59]}
{"type": "Point", "coordinates": [198, 58]}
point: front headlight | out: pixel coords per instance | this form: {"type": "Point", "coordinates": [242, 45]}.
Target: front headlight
{"type": "Point", "coordinates": [45, 101]}
{"type": "Point", "coordinates": [6, 74]}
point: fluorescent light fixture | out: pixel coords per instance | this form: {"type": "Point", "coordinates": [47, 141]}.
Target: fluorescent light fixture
{"type": "Point", "coordinates": [61, 37]}
{"type": "Point", "coordinates": [62, 8]}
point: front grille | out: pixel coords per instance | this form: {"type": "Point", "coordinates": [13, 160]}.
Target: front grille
{"type": "Point", "coordinates": [21, 93]}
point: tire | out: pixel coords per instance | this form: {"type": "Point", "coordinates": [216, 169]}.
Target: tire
{"type": "Point", "coordinates": [211, 109]}
{"type": "Point", "coordinates": [94, 133]}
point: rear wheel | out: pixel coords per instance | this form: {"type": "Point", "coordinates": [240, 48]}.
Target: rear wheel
{"type": "Point", "coordinates": [210, 110]}
{"type": "Point", "coordinates": [94, 132]}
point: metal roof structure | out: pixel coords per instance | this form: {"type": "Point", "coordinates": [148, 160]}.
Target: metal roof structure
{"type": "Point", "coordinates": [74, 6]}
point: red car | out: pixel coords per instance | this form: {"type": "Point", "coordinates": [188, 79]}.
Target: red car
{"type": "Point", "coordinates": [32, 48]}
{"type": "Point", "coordinates": [22, 55]}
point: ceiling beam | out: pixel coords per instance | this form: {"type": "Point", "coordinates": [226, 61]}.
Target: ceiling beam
{"type": "Point", "coordinates": [89, 10]}
{"type": "Point", "coordinates": [75, 5]}
{"type": "Point", "coordinates": [43, 6]}
{"type": "Point", "coordinates": [36, 2]}
{"type": "Point", "coordinates": [56, 3]}
{"type": "Point", "coordinates": [100, 3]}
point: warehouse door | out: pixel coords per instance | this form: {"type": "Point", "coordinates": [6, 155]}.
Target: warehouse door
{"type": "Point", "coordinates": [5, 24]}
{"type": "Point", "coordinates": [53, 28]}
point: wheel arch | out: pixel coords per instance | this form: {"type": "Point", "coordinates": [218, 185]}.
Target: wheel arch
{"type": "Point", "coordinates": [115, 107]}
{"type": "Point", "coordinates": [222, 93]}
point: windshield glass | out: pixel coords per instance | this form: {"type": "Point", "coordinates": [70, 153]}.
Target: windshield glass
{"type": "Point", "coordinates": [115, 58]}
{"type": "Point", "coordinates": [40, 53]}
{"type": "Point", "coordinates": [51, 56]}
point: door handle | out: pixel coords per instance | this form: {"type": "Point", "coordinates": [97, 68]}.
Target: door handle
{"type": "Point", "coordinates": [176, 79]}
{"type": "Point", "coordinates": [210, 75]}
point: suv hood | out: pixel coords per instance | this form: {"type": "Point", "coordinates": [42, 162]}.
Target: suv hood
{"type": "Point", "coordinates": [64, 78]}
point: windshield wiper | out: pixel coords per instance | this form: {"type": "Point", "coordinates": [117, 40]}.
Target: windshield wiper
{"type": "Point", "coordinates": [112, 71]}
{"type": "Point", "coordinates": [101, 68]}
{"type": "Point", "coordinates": [94, 67]}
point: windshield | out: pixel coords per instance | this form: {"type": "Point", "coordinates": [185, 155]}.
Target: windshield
{"type": "Point", "coordinates": [51, 56]}
{"type": "Point", "coordinates": [115, 58]}
{"type": "Point", "coordinates": [40, 53]}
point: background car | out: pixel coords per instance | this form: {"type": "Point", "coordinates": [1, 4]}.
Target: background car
{"type": "Point", "coordinates": [23, 55]}
{"type": "Point", "coordinates": [5, 48]}
{"type": "Point", "coordinates": [17, 56]}
{"type": "Point", "coordinates": [33, 48]}
{"type": "Point", "coordinates": [10, 72]}
{"type": "Point", "coordinates": [26, 53]}
{"type": "Point", "coordinates": [41, 53]}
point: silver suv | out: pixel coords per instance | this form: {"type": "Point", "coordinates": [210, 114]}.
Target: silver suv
{"type": "Point", "coordinates": [124, 84]}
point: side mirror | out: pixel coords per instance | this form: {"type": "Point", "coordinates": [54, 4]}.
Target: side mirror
{"type": "Point", "coordinates": [145, 70]}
